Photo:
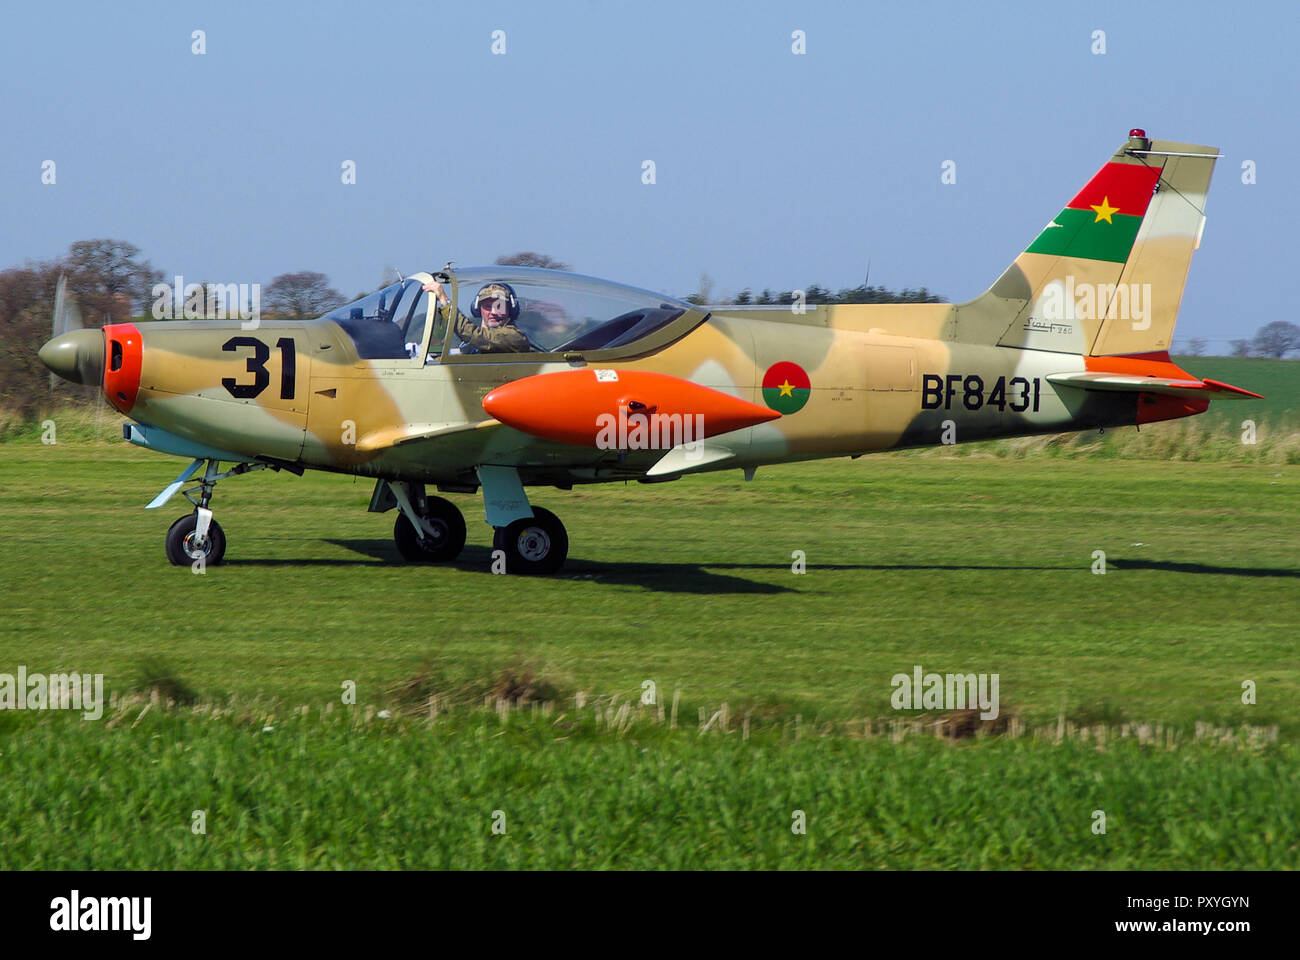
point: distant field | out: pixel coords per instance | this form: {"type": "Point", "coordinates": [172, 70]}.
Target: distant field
{"type": "Point", "coordinates": [959, 563]}
{"type": "Point", "coordinates": [1277, 380]}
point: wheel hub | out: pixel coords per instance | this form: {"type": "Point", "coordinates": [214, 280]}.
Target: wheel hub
{"type": "Point", "coordinates": [534, 544]}
{"type": "Point", "coordinates": [435, 532]}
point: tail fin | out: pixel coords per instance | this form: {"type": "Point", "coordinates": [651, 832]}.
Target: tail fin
{"type": "Point", "coordinates": [1106, 275]}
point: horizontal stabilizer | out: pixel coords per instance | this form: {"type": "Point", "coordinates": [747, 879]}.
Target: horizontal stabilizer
{"type": "Point", "coordinates": [1131, 383]}
{"type": "Point", "coordinates": [1152, 372]}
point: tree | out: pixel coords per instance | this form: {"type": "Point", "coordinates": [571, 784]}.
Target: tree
{"type": "Point", "coordinates": [817, 294]}
{"type": "Point", "coordinates": [109, 279]}
{"type": "Point", "coordinates": [703, 292]}
{"type": "Point", "coordinates": [1196, 346]}
{"type": "Point", "coordinates": [529, 259]}
{"type": "Point", "coordinates": [1241, 348]}
{"type": "Point", "coordinates": [1276, 339]}
{"type": "Point", "coordinates": [26, 308]}
{"type": "Point", "coordinates": [300, 296]}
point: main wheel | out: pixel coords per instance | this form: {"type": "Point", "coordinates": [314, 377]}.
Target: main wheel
{"type": "Point", "coordinates": [533, 545]}
{"type": "Point", "coordinates": [181, 548]}
{"type": "Point", "coordinates": [443, 544]}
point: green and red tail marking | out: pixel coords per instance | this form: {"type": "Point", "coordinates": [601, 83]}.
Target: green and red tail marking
{"type": "Point", "coordinates": [786, 387]}
{"type": "Point", "coordinates": [1102, 220]}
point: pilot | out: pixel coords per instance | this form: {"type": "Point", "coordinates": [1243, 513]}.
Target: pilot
{"type": "Point", "coordinates": [497, 307]}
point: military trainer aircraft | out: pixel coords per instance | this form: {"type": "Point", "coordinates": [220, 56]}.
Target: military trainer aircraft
{"type": "Point", "coordinates": [499, 379]}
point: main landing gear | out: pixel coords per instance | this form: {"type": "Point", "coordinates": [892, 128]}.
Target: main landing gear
{"type": "Point", "coordinates": [525, 539]}
{"type": "Point", "coordinates": [533, 545]}
{"type": "Point", "coordinates": [427, 529]}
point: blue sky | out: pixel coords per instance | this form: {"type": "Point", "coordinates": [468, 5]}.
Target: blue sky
{"type": "Point", "coordinates": [771, 168]}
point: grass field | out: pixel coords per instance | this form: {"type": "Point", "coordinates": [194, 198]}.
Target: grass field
{"type": "Point", "coordinates": [475, 693]}
{"type": "Point", "coordinates": [959, 564]}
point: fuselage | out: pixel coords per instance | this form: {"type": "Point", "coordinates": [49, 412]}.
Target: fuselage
{"type": "Point", "coordinates": [299, 392]}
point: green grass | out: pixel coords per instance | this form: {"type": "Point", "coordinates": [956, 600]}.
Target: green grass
{"type": "Point", "coordinates": [977, 564]}
{"type": "Point", "coordinates": [960, 564]}
{"type": "Point", "coordinates": [329, 792]}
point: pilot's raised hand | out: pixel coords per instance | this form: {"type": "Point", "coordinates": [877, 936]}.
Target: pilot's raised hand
{"type": "Point", "coordinates": [434, 287]}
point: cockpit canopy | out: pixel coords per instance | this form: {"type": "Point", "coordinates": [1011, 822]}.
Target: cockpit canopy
{"type": "Point", "coordinates": [389, 323]}
{"type": "Point", "coordinates": [559, 312]}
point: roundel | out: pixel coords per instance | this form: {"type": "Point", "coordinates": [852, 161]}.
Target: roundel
{"type": "Point", "coordinates": [786, 387]}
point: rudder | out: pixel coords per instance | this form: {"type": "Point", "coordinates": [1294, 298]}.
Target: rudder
{"type": "Point", "coordinates": [1106, 275]}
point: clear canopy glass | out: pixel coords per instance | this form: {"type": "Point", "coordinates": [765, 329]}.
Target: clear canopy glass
{"type": "Point", "coordinates": [558, 312]}
{"type": "Point", "coordinates": [387, 324]}
{"type": "Point", "coordinates": [561, 311]}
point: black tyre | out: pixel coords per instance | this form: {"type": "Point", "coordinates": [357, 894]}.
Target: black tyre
{"type": "Point", "coordinates": [181, 549]}
{"type": "Point", "coordinates": [444, 544]}
{"type": "Point", "coordinates": [534, 545]}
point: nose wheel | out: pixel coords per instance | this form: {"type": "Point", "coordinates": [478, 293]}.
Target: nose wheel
{"type": "Point", "coordinates": [198, 535]}
{"type": "Point", "coordinates": [186, 542]}
{"type": "Point", "coordinates": [535, 545]}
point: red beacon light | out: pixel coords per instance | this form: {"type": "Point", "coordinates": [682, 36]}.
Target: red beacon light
{"type": "Point", "coordinates": [1138, 132]}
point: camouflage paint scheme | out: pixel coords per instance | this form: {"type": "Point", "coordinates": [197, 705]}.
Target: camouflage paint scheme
{"type": "Point", "coordinates": [867, 366]}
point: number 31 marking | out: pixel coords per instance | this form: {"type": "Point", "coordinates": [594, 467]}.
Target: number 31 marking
{"type": "Point", "coordinates": [256, 365]}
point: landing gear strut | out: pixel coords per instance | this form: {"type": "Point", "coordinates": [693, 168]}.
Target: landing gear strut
{"type": "Point", "coordinates": [533, 545]}
{"type": "Point", "coordinates": [197, 535]}
{"type": "Point", "coordinates": [532, 539]}
{"type": "Point", "coordinates": [427, 529]}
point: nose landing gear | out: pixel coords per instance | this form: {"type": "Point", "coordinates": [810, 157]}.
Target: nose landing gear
{"type": "Point", "coordinates": [197, 535]}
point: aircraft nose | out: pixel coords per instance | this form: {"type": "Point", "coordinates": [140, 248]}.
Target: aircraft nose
{"type": "Point", "coordinates": [77, 356]}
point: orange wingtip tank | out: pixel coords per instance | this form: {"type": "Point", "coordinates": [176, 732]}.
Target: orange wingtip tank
{"type": "Point", "coordinates": [604, 408]}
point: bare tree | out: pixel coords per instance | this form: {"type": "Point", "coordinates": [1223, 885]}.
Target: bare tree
{"type": "Point", "coordinates": [109, 279]}
{"type": "Point", "coordinates": [1196, 346]}
{"type": "Point", "coordinates": [1276, 339]}
{"type": "Point", "coordinates": [530, 259]}
{"type": "Point", "coordinates": [300, 296]}
{"type": "Point", "coordinates": [1241, 348]}
{"type": "Point", "coordinates": [703, 291]}
{"type": "Point", "coordinates": [26, 299]}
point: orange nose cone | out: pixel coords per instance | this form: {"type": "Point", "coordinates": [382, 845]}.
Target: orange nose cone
{"type": "Point", "coordinates": [587, 408]}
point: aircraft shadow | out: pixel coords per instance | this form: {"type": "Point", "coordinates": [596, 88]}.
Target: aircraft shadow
{"type": "Point", "coordinates": [665, 577]}
{"type": "Point", "coordinates": [695, 578]}
{"type": "Point", "coordinates": [1170, 567]}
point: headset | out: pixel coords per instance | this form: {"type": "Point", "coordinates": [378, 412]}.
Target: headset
{"type": "Point", "coordinates": [512, 301]}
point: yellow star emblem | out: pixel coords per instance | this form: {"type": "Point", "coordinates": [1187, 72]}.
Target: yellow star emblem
{"type": "Point", "coordinates": [1104, 210]}
{"type": "Point", "coordinates": [786, 388]}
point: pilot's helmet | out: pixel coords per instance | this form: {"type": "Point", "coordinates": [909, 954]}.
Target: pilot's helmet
{"type": "Point", "coordinates": [496, 290]}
